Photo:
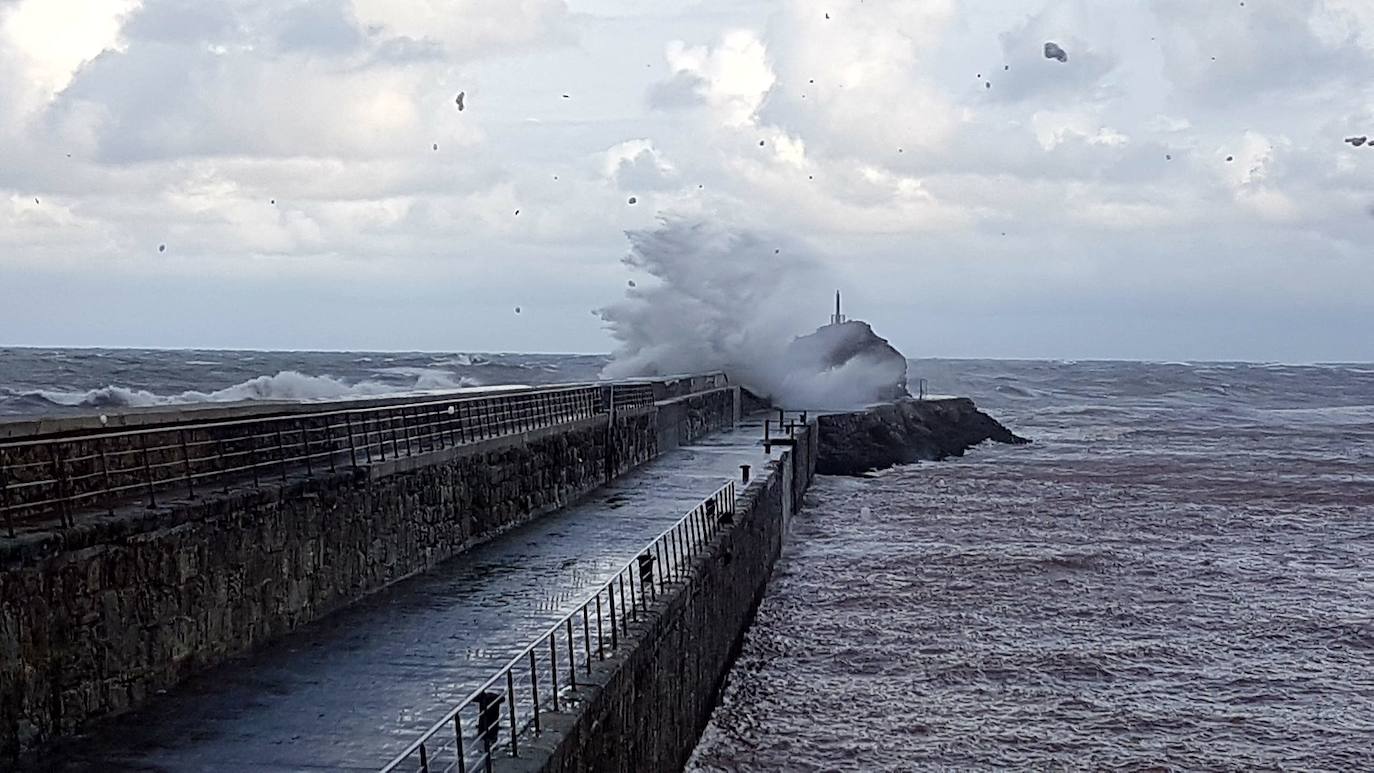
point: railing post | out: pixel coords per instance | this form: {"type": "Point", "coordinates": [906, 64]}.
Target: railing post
{"type": "Point", "coordinates": [253, 456]}
{"type": "Point", "coordinates": [281, 453]}
{"type": "Point", "coordinates": [352, 449]}
{"type": "Point", "coordinates": [572, 658]}
{"type": "Point", "coordinates": [587, 638]}
{"type": "Point", "coordinates": [104, 476]}
{"type": "Point", "coordinates": [59, 471]}
{"type": "Point", "coordinates": [624, 613]}
{"type": "Point", "coordinates": [534, 690]}
{"type": "Point", "coordinates": [5, 493]}
{"type": "Point", "coordinates": [553, 668]}
{"type": "Point", "coordinates": [458, 741]}
{"type": "Point", "coordinates": [186, 464]}
{"type": "Point", "coordinates": [672, 552]}
{"type": "Point", "coordinates": [424, 759]}
{"type": "Point", "coordinates": [304, 427]}
{"type": "Point", "coordinates": [147, 471]}
{"type": "Point", "coordinates": [510, 696]}
{"type": "Point", "coordinates": [329, 441]}
{"type": "Point", "coordinates": [221, 466]}
{"type": "Point", "coordinates": [600, 632]}
{"type": "Point", "coordinates": [662, 570]}
{"type": "Point", "coordinates": [610, 599]}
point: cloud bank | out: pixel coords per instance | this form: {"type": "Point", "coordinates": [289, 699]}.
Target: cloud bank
{"type": "Point", "coordinates": [971, 196]}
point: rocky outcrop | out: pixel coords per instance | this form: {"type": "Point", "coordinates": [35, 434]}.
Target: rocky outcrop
{"type": "Point", "coordinates": [902, 432]}
{"type": "Point", "coordinates": [843, 365]}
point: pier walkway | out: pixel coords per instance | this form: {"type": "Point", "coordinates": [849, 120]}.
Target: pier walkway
{"type": "Point", "coordinates": [350, 691]}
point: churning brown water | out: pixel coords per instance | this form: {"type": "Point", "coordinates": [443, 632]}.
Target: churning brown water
{"type": "Point", "coordinates": [1178, 575]}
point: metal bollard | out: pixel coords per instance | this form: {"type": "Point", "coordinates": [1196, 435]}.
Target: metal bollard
{"type": "Point", "coordinates": [744, 473]}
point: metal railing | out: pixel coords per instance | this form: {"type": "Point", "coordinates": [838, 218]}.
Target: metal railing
{"type": "Point", "coordinates": [545, 675]}
{"type": "Point", "coordinates": [57, 477]}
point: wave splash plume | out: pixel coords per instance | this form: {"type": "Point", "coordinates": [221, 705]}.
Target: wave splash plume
{"type": "Point", "coordinates": [734, 300]}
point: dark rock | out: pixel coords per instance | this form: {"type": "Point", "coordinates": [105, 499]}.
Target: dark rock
{"type": "Point", "coordinates": [903, 432]}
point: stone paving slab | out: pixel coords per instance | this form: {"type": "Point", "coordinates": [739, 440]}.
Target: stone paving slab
{"type": "Point", "coordinates": [351, 691]}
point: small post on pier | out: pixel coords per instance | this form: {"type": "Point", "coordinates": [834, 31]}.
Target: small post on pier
{"type": "Point", "coordinates": [744, 473]}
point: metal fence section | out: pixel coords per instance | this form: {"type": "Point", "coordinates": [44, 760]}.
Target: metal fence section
{"type": "Point", "coordinates": [59, 477]}
{"type": "Point", "coordinates": [545, 675]}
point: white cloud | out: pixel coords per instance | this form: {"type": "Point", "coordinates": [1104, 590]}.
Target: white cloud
{"type": "Point", "coordinates": [1101, 180]}
{"type": "Point", "coordinates": [733, 77]}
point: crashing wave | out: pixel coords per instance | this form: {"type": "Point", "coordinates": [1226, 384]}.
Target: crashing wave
{"type": "Point", "coordinates": [287, 385]}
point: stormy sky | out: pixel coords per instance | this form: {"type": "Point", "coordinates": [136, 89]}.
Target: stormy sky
{"type": "Point", "coordinates": [296, 173]}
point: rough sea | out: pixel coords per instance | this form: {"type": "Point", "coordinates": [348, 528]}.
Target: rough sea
{"type": "Point", "coordinates": [1177, 575]}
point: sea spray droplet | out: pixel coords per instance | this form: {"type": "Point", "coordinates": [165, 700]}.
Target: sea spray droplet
{"type": "Point", "coordinates": [517, 309]}
{"type": "Point", "coordinates": [634, 200]}
{"type": "Point", "coordinates": [162, 248]}
{"type": "Point", "coordinates": [1357, 141]}
{"type": "Point", "coordinates": [459, 100]}
{"type": "Point", "coordinates": [1053, 51]}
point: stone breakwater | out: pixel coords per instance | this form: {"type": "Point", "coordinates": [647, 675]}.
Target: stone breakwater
{"type": "Point", "coordinates": [95, 619]}
{"type": "Point", "coordinates": [644, 707]}
{"type": "Point", "coordinates": [903, 432]}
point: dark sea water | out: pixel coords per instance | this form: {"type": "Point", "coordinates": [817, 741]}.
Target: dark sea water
{"type": "Point", "coordinates": [1177, 575]}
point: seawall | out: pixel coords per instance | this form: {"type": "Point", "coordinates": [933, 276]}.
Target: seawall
{"type": "Point", "coordinates": [644, 708]}
{"type": "Point", "coordinates": [96, 617]}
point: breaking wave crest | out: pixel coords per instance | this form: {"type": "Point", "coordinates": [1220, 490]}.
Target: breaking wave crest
{"type": "Point", "coordinates": [287, 385]}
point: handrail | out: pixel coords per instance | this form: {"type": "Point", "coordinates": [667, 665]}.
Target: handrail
{"type": "Point", "coordinates": [462, 743]}
{"type": "Point", "coordinates": [58, 476]}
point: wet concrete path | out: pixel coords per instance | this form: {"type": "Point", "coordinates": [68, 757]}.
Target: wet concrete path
{"type": "Point", "coordinates": [353, 690]}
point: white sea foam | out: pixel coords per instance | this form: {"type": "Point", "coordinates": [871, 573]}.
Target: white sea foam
{"type": "Point", "coordinates": [288, 385]}
{"type": "Point", "coordinates": [728, 299]}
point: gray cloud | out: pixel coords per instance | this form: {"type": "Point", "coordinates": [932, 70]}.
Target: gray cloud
{"type": "Point", "coordinates": [682, 90]}
{"type": "Point", "coordinates": [323, 26]}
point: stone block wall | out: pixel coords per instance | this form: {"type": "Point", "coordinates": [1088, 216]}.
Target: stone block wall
{"type": "Point", "coordinates": [94, 620]}
{"type": "Point", "coordinates": [645, 708]}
